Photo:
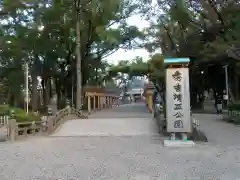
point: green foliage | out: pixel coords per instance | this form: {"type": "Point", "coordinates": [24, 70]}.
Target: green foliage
{"type": "Point", "coordinates": [43, 33]}
{"type": "Point", "coordinates": [153, 68]}
{"type": "Point", "coordinates": [234, 107]}
{"type": "Point", "coordinates": [233, 112]}
{"type": "Point", "coordinates": [196, 29]}
{"type": "Point", "coordinates": [19, 114]}
{"type": "Point", "coordinates": [4, 110]}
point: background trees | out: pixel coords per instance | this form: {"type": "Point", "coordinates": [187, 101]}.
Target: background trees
{"type": "Point", "coordinates": [43, 34]}
{"type": "Point", "coordinates": [57, 38]}
{"type": "Point", "coordinates": [206, 31]}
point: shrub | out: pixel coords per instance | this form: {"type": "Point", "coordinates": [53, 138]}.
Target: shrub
{"type": "Point", "coordinates": [234, 107]}
{"type": "Point", "coordinates": [20, 114]}
{"type": "Point", "coordinates": [4, 110]}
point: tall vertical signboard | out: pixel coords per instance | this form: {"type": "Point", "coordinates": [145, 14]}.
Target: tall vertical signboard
{"type": "Point", "coordinates": [178, 99]}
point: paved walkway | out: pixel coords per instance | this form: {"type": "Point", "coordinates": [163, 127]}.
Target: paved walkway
{"type": "Point", "coordinates": [140, 156]}
{"type": "Point", "coordinates": [219, 133]}
{"type": "Point", "coordinates": [125, 120]}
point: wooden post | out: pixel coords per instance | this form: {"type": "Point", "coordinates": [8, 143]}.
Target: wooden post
{"type": "Point", "coordinates": [12, 129]}
{"type": "Point", "coordinates": [99, 104]}
{"type": "Point", "coordinates": [109, 100]}
{"type": "Point", "coordinates": [50, 126]}
{"type": "Point", "coordinates": [34, 127]}
{"type": "Point", "coordinates": [105, 102]}
{"type": "Point", "coordinates": [108, 97]}
{"type": "Point", "coordinates": [89, 104]}
{"type": "Point", "coordinates": [114, 102]}
{"type": "Point", "coordinates": [68, 107]}
{"type": "Point", "coordinates": [94, 102]}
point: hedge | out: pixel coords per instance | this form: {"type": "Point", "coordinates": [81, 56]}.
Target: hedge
{"type": "Point", "coordinates": [19, 114]}
{"type": "Point", "coordinates": [234, 107]}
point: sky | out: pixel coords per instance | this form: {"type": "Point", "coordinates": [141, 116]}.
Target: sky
{"type": "Point", "coordinates": [122, 54]}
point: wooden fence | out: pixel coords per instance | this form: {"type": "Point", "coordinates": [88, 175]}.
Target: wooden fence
{"type": "Point", "coordinates": [98, 101]}
{"type": "Point", "coordinates": [13, 130]}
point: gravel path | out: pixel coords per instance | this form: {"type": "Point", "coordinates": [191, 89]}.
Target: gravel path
{"type": "Point", "coordinates": [219, 133]}
{"type": "Point", "coordinates": [115, 158]}
{"type": "Point", "coordinates": [107, 127]}
{"type": "Point", "coordinates": [138, 157]}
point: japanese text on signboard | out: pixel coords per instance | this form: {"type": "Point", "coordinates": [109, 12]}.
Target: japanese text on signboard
{"type": "Point", "coordinates": [177, 97]}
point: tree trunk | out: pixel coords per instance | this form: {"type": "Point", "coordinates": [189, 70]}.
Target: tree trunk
{"type": "Point", "coordinates": [79, 64]}
{"type": "Point", "coordinates": [58, 92]}
{"type": "Point", "coordinates": [46, 90]}
{"type": "Point", "coordinates": [34, 98]}
{"type": "Point", "coordinates": [15, 101]}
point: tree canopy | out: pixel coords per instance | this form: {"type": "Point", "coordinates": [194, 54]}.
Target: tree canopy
{"type": "Point", "coordinates": [203, 30]}
{"type": "Point", "coordinates": [206, 31]}
{"type": "Point", "coordinates": [42, 33]}
{"type": "Point", "coordinates": [152, 68]}
{"type": "Point", "coordinates": [52, 36]}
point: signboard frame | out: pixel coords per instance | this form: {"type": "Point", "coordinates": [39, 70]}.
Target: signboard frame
{"type": "Point", "coordinates": [178, 100]}
{"type": "Point", "coordinates": [178, 95]}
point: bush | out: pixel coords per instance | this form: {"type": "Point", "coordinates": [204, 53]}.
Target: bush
{"type": "Point", "coordinates": [234, 107]}
{"type": "Point", "coordinates": [20, 114]}
{"type": "Point", "coordinates": [4, 110]}
{"type": "Point", "coordinates": [62, 103]}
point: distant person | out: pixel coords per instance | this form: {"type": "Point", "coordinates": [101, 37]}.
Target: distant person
{"type": "Point", "coordinates": [129, 99]}
{"type": "Point", "coordinates": [211, 94]}
{"type": "Point", "coordinates": [218, 103]}
{"type": "Point", "coordinates": [225, 98]}
{"type": "Point", "coordinates": [205, 95]}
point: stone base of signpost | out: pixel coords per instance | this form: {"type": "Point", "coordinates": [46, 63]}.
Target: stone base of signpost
{"type": "Point", "coordinates": [178, 143]}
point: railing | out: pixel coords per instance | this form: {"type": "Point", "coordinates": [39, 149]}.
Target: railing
{"type": "Point", "coordinates": [53, 122]}
{"type": "Point", "coordinates": [195, 123]}
{"type": "Point", "coordinates": [232, 116]}
{"type": "Point", "coordinates": [97, 101]}
{"type": "Point", "coordinates": [57, 119]}
{"type": "Point", "coordinates": [3, 120]}
{"type": "Point", "coordinates": [24, 129]}
{"type": "Point", "coordinates": [3, 128]}
{"type": "Point", "coordinates": [78, 113]}
{"type": "Point", "coordinates": [48, 124]}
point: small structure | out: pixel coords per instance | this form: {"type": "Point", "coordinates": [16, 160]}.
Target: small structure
{"type": "Point", "coordinates": [98, 98]}
{"type": "Point", "coordinates": [135, 94]}
{"type": "Point", "coordinates": [148, 94]}
{"type": "Point", "coordinates": [178, 101]}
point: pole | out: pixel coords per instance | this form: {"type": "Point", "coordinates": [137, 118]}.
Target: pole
{"type": "Point", "coordinates": [226, 81]}
{"type": "Point", "coordinates": [26, 76]}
